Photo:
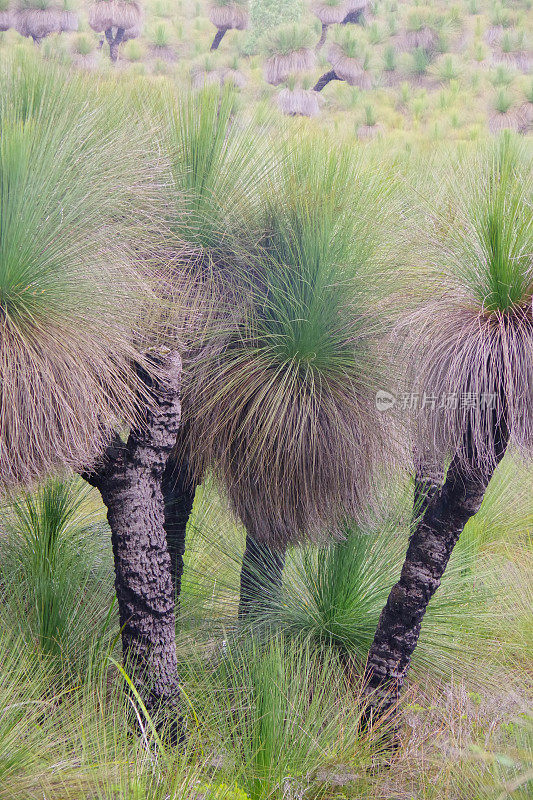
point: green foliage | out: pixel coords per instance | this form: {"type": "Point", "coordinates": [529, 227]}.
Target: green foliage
{"type": "Point", "coordinates": [503, 101]}
{"type": "Point", "coordinates": [277, 714]}
{"type": "Point", "coordinates": [389, 59]}
{"type": "Point", "coordinates": [53, 574]}
{"type": "Point", "coordinates": [370, 115]}
{"type": "Point", "coordinates": [421, 61]}
{"type": "Point", "coordinates": [287, 39]}
{"type": "Point", "coordinates": [216, 164]}
{"type": "Point", "coordinates": [83, 45]}
{"type": "Point", "coordinates": [133, 50]}
{"type": "Point", "coordinates": [265, 15]}
{"type": "Point", "coordinates": [161, 35]}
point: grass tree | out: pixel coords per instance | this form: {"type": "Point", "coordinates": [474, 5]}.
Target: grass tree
{"type": "Point", "coordinates": [117, 19]}
{"type": "Point", "coordinates": [285, 414]}
{"type": "Point", "coordinates": [37, 19]}
{"type": "Point", "coordinates": [471, 349]}
{"type": "Point", "coordinates": [73, 366]}
{"type": "Point", "coordinates": [337, 12]}
{"type": "Point", "coordinates": [297, 101]}
{"type": "Point", "coordinates": [349, 60]}
{"type": "Point", "coordinates": [65, 284]}
{"type": "Point", "coordinates": [289, 51]}
{"type": "Point", "coordinates": [216, 165]}
{"type": "Point", "coordinates": [227, 15]}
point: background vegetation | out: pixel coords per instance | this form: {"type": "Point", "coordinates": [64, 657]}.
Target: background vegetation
{"type": "Point", "coordinates": [432, 70]}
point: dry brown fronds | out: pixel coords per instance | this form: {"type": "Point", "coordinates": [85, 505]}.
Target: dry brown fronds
{"type": "Point", "coordinates": [426, 38]}
{"type": "Point", "coordinates": [330, 14]}
{"type": "Point", "coordinates": [299, 102]}
{"type": "Point", "coordinates": [7, 20]}
{"type": "Point", "coordinates": [222, 76]}
{"type": "Point", "coordinates": [348, 69]}
{"type": "Point", "coordinates": [61, 397]}
{"type": "Point", "coordinates": [280, 67]}
{"type": "Point", "coordinates": [38, 23]}
{"type": "Point", "coordinates": [369, 131]}
{"type": "Point", "coordinates": [468, 369]}
{"type": "Point", "coordinates": [134, 32]}
{"type": "Point", "coordinates": [231, 16]}
{"type": "Point", "coordinates": [114, 14]}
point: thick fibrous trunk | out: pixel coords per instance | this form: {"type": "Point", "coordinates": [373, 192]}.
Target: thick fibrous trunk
{"type": "Point", "coordinates": [219, 35]}
{"type": "Point", "coordinates": [261, 577]}
{"type": "Point", "coordinates": [323, 37]}
{"type": "Point", "coordinates": [114, 42]}
{"type": "Point", "coordinates": [325, 79]}
{"type": "Point", "coordinates": [129, 480]}
{"type": "Point", "coordinates": [178, 495]}
{"type": "Point", "coordinates": [430, 547]}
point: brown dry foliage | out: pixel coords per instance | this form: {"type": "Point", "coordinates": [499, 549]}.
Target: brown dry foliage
{"type": "Point", "coordinates": [280, 66]}
{"type": "Point", "coordinates": [114, 14]}
{"type": "Point", "coordinates": [231, 16]}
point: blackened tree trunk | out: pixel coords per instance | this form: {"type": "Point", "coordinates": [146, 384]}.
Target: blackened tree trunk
{"type": "Point", "coordinates": [219, 35]}
{"type": "Point", "coordinates": [430, 547]}
{"type": "Point", "coordinates": [428, 480]}
{"type": "Point", "coordinates": [323, 37]}
{"type": "Point", "coordinates": [354, 18]}
{"type": "Point", "coordinates": [261, 577]}
{"type": "Point", "coordinates": [114, 42]}
{"type": "Point", "coordinates": [178, 495]}
{"type": "Point", "coordinates": [325, 79]}
{"type": "Point", "coordinates": [129, 480]}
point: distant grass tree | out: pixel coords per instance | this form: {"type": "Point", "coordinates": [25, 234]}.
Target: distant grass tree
{"type": "Point", "coordinates": [471, 349]}
{"type": "Point", "coordinates": [37, 19]}
{"type": "Point", "coordinates": [227, 15]}
{"type": "Point", "coordinates": [289, 51]}
{"type": "Point", "coordinates": [337, 12]}
{"type": "Point", "coordinates": [119, 20]}
{"type": "Point", "coordinates": [350, 61]}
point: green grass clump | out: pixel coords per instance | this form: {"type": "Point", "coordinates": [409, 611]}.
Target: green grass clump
{"type": "Point", "coordinates": [287, 39]}
{"type": "Point", "coordinates": [54, 572]}
{"type": "Point", "coordinates": [503, 101]}
{"type": "Point", "coordinates": [83, 45]}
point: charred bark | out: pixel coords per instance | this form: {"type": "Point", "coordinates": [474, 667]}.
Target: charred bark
{"type": "Point", "coordinates": [178, 494]}
{"type": "Point", "coordinates": [428, 480]}
{"type": "Point", "coordinates": [114, 42]}
{"type": "Point", "coordinates": [447, 511]}
{"type": "Point", "coordinates": [323, 37]}
{"type": "Point", "coordinates": [325, 79]}
{"type": "Point", "coordinates": [354, 18]}
{"type": "Point", "coordinates": [219, 35]}
{"type": "Point", "coordinates": [129, 479]}
{"type": "Point", "coordinates": [261, 577]}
